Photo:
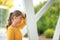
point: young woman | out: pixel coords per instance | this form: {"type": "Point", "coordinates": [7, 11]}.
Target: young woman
{"type": "Point", "coordinates": [15, 22]}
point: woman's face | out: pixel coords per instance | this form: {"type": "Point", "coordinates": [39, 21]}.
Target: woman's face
{"type": "Point", "coordinates": [17, 19]}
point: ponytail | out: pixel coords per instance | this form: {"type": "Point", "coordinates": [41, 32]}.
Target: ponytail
{"type": "Point", "coordinates": [9, 20]}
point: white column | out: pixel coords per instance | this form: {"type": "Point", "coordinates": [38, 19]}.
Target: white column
{"type": "Point", "coordinates": [57, 30]}
{"type": "Point", "coordinates": [31, 21]}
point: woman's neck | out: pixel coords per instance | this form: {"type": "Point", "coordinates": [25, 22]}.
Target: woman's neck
{"type": "Point", "coordinates": [14, 25]}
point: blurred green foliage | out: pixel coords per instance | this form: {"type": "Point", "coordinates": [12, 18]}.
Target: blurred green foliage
{"type": "Point", "coordinates": [3, 16]}
{"type": "Point", "coordinates": [49, 33]}
{"type": "Point", "coordinates": [49, 18]}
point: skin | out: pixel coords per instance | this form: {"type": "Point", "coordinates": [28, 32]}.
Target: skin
{"type": "Point", "coordinates": [16, 21]}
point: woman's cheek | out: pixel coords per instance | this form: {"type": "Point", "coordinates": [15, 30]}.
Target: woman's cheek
{"type": "Point", "coordinates": [19, 20]}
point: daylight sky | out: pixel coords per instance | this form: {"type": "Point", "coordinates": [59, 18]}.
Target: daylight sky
{"type": "Point", "coordinates": [18, 4]}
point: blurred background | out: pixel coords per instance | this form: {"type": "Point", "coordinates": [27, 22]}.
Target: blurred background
{"type": "Point", "coordinates": [45, 25]}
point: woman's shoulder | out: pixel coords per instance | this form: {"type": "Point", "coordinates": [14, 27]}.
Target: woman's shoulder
{"type": "Point", "coordinates": [11, 28]}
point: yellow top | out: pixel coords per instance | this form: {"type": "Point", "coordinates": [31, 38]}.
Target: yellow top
{"type": "Point", "coordinates": [14, 34]}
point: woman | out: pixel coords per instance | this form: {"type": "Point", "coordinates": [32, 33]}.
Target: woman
{"type": "Point", "coordinates": [15, 22]}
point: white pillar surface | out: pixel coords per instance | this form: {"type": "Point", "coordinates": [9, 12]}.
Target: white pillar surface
{"type": "Point", "coordinates": [31, 21]}
{"type": "Point", "coordinates": [57, 30]}
{"type": "Point", "coordinates": [24, 31]}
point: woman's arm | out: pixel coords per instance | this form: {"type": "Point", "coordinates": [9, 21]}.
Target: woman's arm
{"type": "Point", "coordinates": [23, 23]}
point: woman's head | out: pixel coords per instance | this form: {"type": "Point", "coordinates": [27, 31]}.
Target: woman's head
{"type": "Point", "coordinates": [15, 17]}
